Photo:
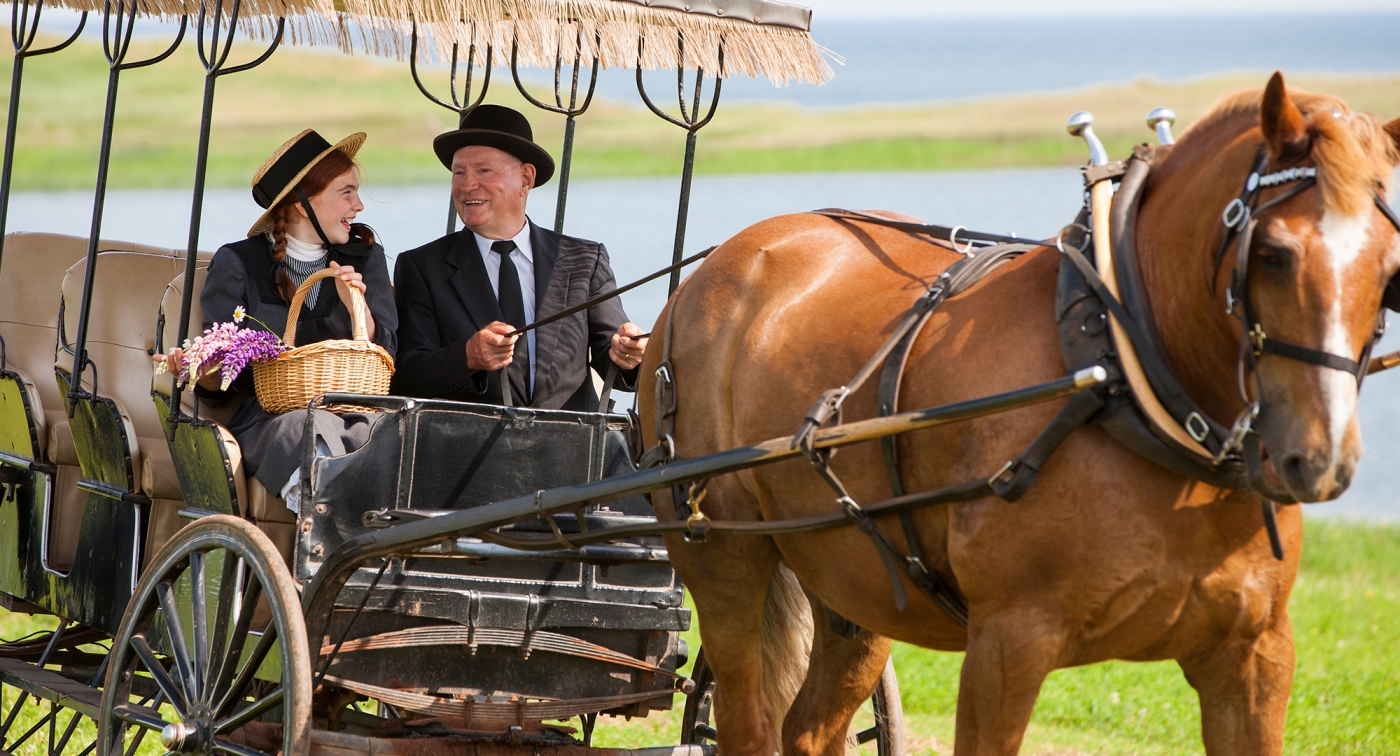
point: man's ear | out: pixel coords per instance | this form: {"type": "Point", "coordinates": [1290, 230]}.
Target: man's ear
{"type": "Point", "coordinates": [527, 175]}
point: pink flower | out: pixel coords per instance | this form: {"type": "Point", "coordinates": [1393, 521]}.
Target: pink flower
{"type": "Point", "coordinates": [228, 349]}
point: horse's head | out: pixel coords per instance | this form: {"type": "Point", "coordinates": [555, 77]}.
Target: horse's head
{"type": "Point", "coordinates": [1318, 255]}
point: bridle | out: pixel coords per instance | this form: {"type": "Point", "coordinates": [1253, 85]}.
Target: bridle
{"type": "Point", "coordinates": [1241, 216]}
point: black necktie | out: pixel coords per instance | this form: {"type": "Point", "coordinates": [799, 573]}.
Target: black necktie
{"type": "Point", "coordinates": [513, 311]}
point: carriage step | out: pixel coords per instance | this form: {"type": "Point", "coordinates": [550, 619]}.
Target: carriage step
{"type": "Point", "coordinates": [50, 686]}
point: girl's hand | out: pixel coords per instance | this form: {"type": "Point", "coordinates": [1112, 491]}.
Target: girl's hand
{"type": "Point", "coordinates": [173, 361]}
{"type": "Point", "coordinates": [345, 277]}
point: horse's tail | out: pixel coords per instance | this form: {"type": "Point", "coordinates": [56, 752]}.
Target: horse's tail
{"type": "Point", "coordinates": [787, 642]}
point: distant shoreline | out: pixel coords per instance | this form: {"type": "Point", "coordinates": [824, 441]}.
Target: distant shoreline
{"type": "Point", "coordinates": [158, 112]}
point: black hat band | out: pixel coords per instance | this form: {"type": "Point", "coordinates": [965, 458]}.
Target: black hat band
{"type": "Point", "coordinates": [297, 157]}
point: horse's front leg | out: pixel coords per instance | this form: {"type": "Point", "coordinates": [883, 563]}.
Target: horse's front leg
{"type": "Point", "coordinates": [1008, 657]}
{"type": "Point", "coordinates": [842, 674]}
{"type": "Point", "coordinates": [1244, 686]}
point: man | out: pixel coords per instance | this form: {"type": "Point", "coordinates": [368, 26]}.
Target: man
{"type": "Point", "coordinates": [462, 297]}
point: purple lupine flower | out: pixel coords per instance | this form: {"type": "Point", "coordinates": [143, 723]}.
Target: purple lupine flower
{"type": "Point", "coordinates": [228, 349]}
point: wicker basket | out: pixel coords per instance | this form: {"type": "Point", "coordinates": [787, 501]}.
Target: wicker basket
{"type": "Point", "coordinates": [356, 366]}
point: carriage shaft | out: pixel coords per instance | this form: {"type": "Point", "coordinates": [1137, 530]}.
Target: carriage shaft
{"type": "Point", "coordinates": [320, 596]}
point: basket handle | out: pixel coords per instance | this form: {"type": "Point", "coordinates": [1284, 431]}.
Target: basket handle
{"type": "Point", "coordinates": [357, 308]}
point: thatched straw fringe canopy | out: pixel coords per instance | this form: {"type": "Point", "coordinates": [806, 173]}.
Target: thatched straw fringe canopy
{"type": "Point", "coordinates": [756, 37]}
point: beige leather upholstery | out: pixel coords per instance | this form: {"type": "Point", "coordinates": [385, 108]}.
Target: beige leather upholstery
{"type": "Point", "coordinates": [127, 290]}
{"type": "Point", "coordinates": [34, 268]}
{"type": "Point", "coordinates": [265, 509]}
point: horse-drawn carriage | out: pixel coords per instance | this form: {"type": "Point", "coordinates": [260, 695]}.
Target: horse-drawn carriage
{"type": "Point", "coordinates": [184, 588]}
{"type": "Point", "coordinates": [479, 572]}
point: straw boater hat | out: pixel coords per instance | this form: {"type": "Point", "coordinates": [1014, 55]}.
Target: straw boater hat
{"type": "Point", "coordinates": [286, 168]}
{"type": "Point", "coordinates": [500, 127]}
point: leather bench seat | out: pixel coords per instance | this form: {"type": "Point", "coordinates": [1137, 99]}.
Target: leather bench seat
{"type": "Point", "coordinates": [30, 291]}
{"type": "Point", "coordinates": [263, 507]}
{"type": "Point", "coordinates": [122, 333]}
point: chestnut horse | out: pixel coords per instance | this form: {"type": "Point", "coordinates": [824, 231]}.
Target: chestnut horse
{"type": "Point", "coordinates": [1109, 556]}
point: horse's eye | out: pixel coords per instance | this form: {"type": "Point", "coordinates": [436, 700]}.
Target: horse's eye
{"type": "Point", "coordinates": [1276, 257]}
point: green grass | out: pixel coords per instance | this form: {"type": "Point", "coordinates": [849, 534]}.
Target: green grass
{"type": "Point", "coordinates": [1346, 693]}
{"type": "Point", "coordinates": [158, 119]}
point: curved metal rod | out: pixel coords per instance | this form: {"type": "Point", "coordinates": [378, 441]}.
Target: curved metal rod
{"type": "Point", "coordinates": [82, 22]}
{"type": "Point", "coordinates": [254, 63]}
{"type": "Point", "coordinates": [456, 104]}
{"type": "Point", "coordinates": [573, 109]}
{"type": "Point", "coordinates": [687, 120]}
{"type": "Point", "coordinates": [180, 37]}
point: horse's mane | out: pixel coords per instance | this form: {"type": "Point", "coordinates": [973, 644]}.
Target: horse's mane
{"type": "Point", "coordinates": [1352, 151]}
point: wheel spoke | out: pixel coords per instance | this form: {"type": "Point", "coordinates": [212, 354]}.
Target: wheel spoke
{"type": "Point", "coordinates": [251, 712]}
{"type": "Point", "coordinates": [199, 625]}
{"type": "Point", "coordinates": [141, 733]}
{"type": "Point", "coordinates": [139, 715]}
{"type": "Point", "coordinates": [167, 685]}
{"type": "Point", "coordinates": [245, 675]}
{"type": "Point", "coordinates": [252, 591]}
{"type": "Point", "coordinates": [218, 645]}
{"type": "Point", "coordinates": [237, 750]}
{"type": "Point", "coordinates": [176, 632]}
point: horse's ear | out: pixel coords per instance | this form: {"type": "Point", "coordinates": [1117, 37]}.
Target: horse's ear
{"type": "Point", "coordinates": [1285, 129]}
{"type": "Point", "coordinates": [1393, 129]}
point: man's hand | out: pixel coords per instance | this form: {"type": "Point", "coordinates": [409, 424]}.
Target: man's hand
{"type": "Point", "coordinates": [627, 349]}
{"type": "Point", "coordinates": [491, 349]}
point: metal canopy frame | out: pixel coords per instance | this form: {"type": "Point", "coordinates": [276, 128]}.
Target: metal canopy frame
{"type": "Point", "coordinates": [213, 57]}
{"type": "Point", "coordinates": [116, 41]}
{"type": "Point", "coordinates": [462, 104]}
{"type": "Point", "coordinates": [23, 29]}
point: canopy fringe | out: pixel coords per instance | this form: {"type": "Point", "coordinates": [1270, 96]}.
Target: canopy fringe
{"type": "Point", "coordinates": [539, 29]}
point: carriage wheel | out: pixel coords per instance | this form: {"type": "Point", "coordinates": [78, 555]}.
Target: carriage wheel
{"type": "Point", "coordinates": [189, 641]}
{"type": "Point", "coordinates": [888, 732]}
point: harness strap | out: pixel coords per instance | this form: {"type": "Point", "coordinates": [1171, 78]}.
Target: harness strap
{"type": "Point", "coordinates": [944, 233]}
{"type": "Point", "coordinates": [1265, 345]}
{"type": "Point", "coordinates": [1151, 360]}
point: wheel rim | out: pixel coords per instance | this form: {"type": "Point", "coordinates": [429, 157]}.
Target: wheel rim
{"type": "Point", "coordinates": [185, 665]}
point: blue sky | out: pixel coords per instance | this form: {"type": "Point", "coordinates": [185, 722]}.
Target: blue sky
{"type": "Point", "coordinates": [887, 8]}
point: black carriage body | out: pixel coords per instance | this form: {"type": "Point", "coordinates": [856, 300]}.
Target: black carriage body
{"type": "Point", "coordinates": [425, 457]}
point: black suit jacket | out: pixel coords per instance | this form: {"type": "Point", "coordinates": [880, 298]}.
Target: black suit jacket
{"type": "Point", "coordinates": [444, 297]}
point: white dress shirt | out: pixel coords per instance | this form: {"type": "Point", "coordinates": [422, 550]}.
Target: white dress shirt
{"type": "Point", "coordinates": [524, 258]}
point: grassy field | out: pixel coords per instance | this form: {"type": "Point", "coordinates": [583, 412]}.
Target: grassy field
{"type": "Point", "coordinates": [1346, 694]}
{"type": "Point", "coordinates": [158, 112]}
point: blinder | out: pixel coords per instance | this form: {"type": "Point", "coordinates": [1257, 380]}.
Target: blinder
{"type": "Point", "coordinates": [1391, 299]}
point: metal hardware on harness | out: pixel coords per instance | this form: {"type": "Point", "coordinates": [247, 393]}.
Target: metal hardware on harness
{"type": "Point", "coordinates": [1241, 428]}
{"type": "Point", "coordinates": [821, 413]}
{"type": "Point", "coordinates": [697, 525]}
{"type": "Point", "coordinates": [1006, 468]}
{"type": "Point", "coordinates": [1235, 212]}
{"type": "Point", "coordinates": [1285, 176]}
{"type": "Point", "coordinates": [1196, 426]}
{"type": "Point", "coordinates": [1257, 338]}
{"type": "Point", "coordinates": [953, 239]}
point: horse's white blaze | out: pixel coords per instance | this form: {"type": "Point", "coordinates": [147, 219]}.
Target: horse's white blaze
{"type": "Point", "coordinates": [1344, 236]}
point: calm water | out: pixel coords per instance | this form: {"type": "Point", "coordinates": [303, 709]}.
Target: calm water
{"type": "Point", "coordinates": [922, 59]}
{"type": "Point", "coordinates": [917, 60]}
{"type": "Point", "coordinates": [635, 218]}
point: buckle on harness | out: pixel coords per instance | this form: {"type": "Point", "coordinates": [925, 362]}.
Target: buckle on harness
{"type": "Point", "coordinates": [1257, 337]}
{"type": "Point", "coordinates": [1235, 213]}
{"type": "Point", "coordinates": [697, 525]}
{"type": "Point", "coordinates": [1196, 427]}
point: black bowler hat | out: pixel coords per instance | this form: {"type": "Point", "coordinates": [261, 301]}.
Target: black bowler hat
{"type": "Point", "coordinates": [500, 127]}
